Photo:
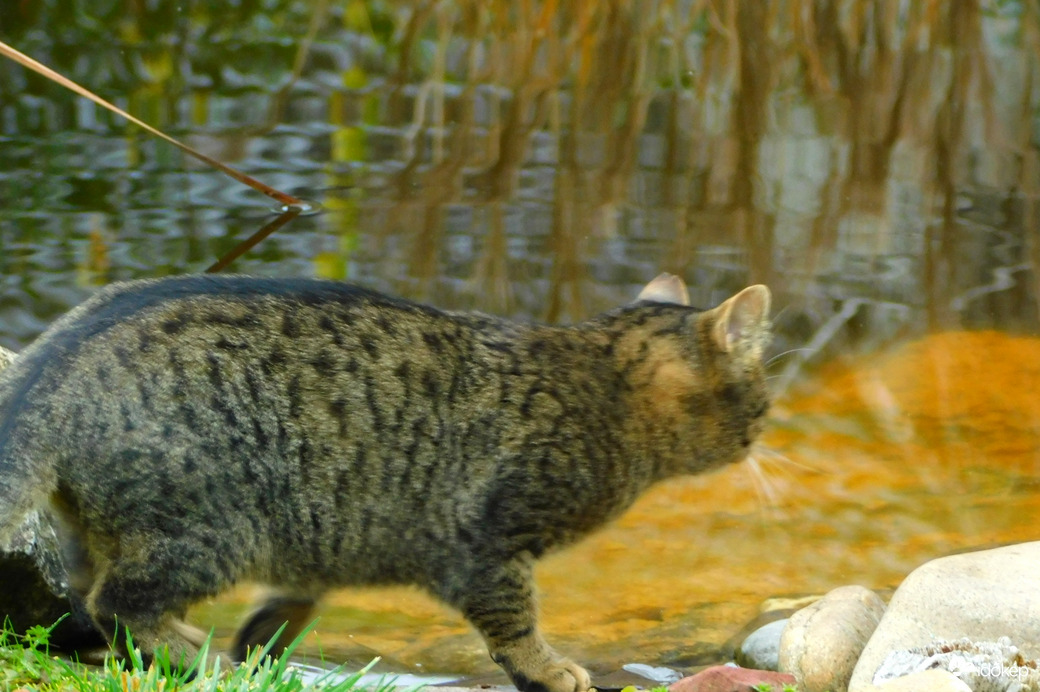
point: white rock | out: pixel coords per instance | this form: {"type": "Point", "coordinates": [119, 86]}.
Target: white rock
{"type": "Point", "coordinates": [658, 674]}
{"type": "Point", "coordinates": [822, 642]}
{"type": "Point", "coordinates": [924, 681]}
{"type": "Point", "coordinates": [982, 596]}
{"type": "Point", "coordinates": [984, 666]}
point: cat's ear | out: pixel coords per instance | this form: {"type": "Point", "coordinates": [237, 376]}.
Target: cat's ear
{"type": "Point", "coordinates": [742, 322]}
{"type": "Point", "coordinates": [666, 288]}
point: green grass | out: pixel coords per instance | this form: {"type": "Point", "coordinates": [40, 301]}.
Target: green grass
{"type": "Point", "coordinates": [27, 663]}
{"type": "Point", "coordinates": [766, 687]}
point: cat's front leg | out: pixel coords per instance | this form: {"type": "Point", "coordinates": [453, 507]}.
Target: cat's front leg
{"type": "Point", "coordinates": [500, 602]}
{"type": "Point", "coordinates": [534, 667]}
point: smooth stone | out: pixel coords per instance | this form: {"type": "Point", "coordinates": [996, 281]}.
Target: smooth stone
{"type": "Point", "coordinates": [761, 649]}
{"type": "Point", "coordinates": [730, 679]}
{"type": "Point", "coordinates": [822, 642]}
{"type": "Point", "coordinates": [730, 649]}
{"type": "Point", "coordinates": [981, 596]}
{"type": "Point", "coordinates": [924, 681]}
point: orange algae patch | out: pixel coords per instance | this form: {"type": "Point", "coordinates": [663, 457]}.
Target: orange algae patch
{"type": "Point", "coordinates": [970, 394]}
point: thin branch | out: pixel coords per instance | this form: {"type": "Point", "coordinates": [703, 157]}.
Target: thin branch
{"type": "Point", "coordinates": [27, 62]}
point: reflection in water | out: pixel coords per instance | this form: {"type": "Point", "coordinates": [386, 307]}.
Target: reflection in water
{"type": "Point", "coordinates": [875, 163]}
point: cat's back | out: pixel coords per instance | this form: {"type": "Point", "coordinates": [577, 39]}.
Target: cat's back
{"type": "Point", "coordinates": [179, 305]}
{"type": "Point", "coordinates": [184, 347]}
{"type": "Point", "coordinates": [285, 410]}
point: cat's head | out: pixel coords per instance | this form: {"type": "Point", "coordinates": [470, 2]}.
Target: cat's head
{"type": "Point", "coordinates": [702, 376]}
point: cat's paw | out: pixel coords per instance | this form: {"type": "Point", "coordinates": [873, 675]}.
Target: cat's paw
{"type": "Point", "coordinates": [582, 681]}
{"type": "Point", "coordinates": [562, 675]}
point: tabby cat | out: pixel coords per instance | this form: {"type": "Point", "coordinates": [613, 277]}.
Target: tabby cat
{"type": "Point", "coordinates": [188, 433]}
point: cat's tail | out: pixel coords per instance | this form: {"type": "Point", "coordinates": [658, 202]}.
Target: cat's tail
{"type": "Point", "coordinates": [26, 477]}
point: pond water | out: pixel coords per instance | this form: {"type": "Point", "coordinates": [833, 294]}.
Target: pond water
{"type": "Point", "coordinates": [875, 164]}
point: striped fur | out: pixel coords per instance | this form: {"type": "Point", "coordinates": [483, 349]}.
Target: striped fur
{"type": "Point", "coordinates": [193, 432]}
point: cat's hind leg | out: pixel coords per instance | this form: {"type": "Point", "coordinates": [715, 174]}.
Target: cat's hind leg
{"type": "Point", "coordinates": [145, 591]}
{"type": "Point", "coordinates": [152, 634]}
{"type": "Point", "coordinates": [295, 613]}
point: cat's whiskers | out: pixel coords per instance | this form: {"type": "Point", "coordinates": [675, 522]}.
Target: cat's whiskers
{"type": "Point", "coordinates": [768, 497]}
{"type": "Point", "coordinates": [772, 473]}
{"type": "Point", "coordinates": [780, 381]}
{"type": "Point", "coordinates": [779, 314]}
{"type": "Point", "coordinates": [783, 463]}
{"type": "Point", "coordinates": [788, 352]}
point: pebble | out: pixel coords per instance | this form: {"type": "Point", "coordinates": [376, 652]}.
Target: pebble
{"type": "Point", "coordinates": [730, 679]}
{"type": "Point", "coordinates": [761, 649]}
{"type": "Point", "coordinates": [822, 642]}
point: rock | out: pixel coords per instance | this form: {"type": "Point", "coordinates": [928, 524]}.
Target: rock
{"type": "Point", "coordinates": [36, 583]}
{"type": "Point", "coordinates": [657, 674]}
{"type": "Point", "coordinates": [924, 681]}
{"type": "Point", "coordinates": [761, 649]}
{"type": "Point", "coordinates": [982, 596]}
{"type": "Point", "coordinates": [823, 641]}
{"type": "Point", "coordinates": [730, 679]}
{"type": "Point", "coordinates": [36, 587]}
{"type": "Point", "coordinates": [982, 666]}
{"type": "Point", "coordinates": [770, 610]}
{"type": "Point", "coordinates": [788, 604]}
